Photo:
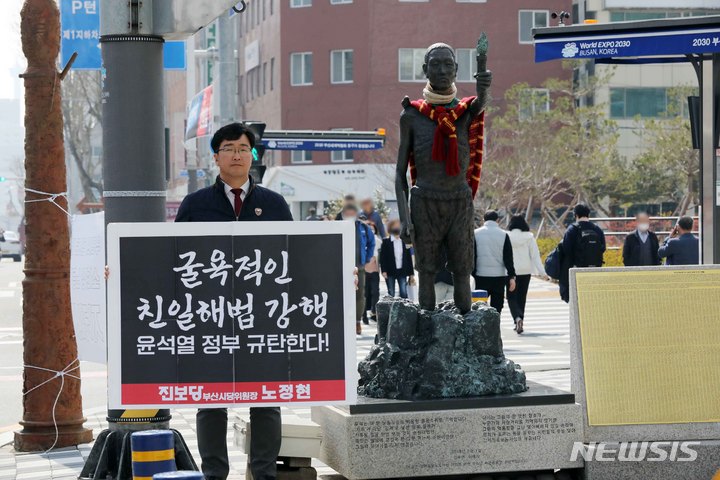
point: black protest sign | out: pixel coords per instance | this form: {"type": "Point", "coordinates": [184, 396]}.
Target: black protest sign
{"type": "Point", "coordinates": [230, 313]}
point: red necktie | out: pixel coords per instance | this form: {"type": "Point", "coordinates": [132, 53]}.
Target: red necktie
{"type": "Point", "coordinates": [238, 200]}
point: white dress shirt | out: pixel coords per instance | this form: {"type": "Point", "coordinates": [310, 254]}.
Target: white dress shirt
{"type": "Point", "coordinates": [398, 248]}
{"type": "Point", "coordinates": [231, 196]}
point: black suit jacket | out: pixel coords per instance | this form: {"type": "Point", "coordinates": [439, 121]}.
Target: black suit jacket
{"type": "Point", "coordinates": [210, 204]}
{"type": "Point", "coordinates": [387, 260]}
{"type": "Point", "coordinates": [631, 249]}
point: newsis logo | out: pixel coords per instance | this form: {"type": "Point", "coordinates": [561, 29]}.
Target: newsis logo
{"type": "Point", "coordinates": [635, 452]}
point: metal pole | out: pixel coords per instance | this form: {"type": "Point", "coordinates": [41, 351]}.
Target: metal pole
{"type": "Point", "coordinates": [227, 70]}
{"type": "Point", "coordinates": [707, 164]}
{"type": "Point", "coordinates": [133, 128]}
{"type": "Point", "coordinates": [52, 413]}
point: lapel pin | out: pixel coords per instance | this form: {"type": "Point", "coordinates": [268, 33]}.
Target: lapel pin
{"type": "Point", "coordinates": [258, 211]}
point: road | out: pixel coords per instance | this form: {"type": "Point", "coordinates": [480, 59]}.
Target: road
{"type": "Point", "coordinates": [11, 353]}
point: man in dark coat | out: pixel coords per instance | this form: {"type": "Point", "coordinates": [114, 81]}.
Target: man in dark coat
{"type": "Point", "coordinates": [583, 246]}
{"type": "Point", "coordinates": [641, 246]}
{"type": "Point", "coordinates": [681, 247]}
{"type": "Point", "coordinates": [396, 262]}
{"type": "Point", "coordinates": [236, 197]}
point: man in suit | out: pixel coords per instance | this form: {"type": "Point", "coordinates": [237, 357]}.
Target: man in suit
{"type": "Point", "coordinates": [681, 247]}
{"type": "Point", "coordinates": [396, 261]}
{"type": "Point", "coordinates": [641, 246]}
{"type": "Point", "coordinates": [236, 197]}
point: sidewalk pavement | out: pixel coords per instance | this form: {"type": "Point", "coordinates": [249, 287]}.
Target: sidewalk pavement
{"type": "Point", "coordinates": [66, 464]}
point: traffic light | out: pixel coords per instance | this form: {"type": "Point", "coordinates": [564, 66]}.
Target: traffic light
{"type": "Point", "coordinates": [2, 179]}
{"type": "Point", "coordinates": [257, 170]}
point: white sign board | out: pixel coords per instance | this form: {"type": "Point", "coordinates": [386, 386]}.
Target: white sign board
{"type": "Point", "coordinates": [231, 314]}
{"type": "Point", "coordinates": [87, 285]}
{"type": "Point", "coordinates": [252, 56]}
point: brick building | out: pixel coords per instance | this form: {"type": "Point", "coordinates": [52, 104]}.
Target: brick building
{"type": "Point", "coordinates": [326, 64]}
{"type": "Point", "coordinates": [347, 64]}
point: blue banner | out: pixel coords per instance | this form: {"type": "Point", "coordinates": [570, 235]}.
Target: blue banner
{"type": "Point", "coordinates": [321, 144]}
{"type": "Point", "coordinates": [579, 46]}
{"type": "Point", "coordinates": [80, 32]}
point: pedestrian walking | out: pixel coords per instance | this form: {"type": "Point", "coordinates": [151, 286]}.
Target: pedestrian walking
{"type": "Point", "coordinates": [681, 247]}
{"type": "Point", "coordinates": [583, 246]}
{"type": "Point", "coordinates": [364, 252]}
{"type": "Point", "coordinates": [372, 279]}
{"type": "Point", "coordinates": [641, 246]}
{"type": "Point", "coordinates": [494, 265]}
{"type": "Point", "coordinates": [236, 197]}
{"type": "Point", "coordinates": [526, 257]}
{"type": "Point", "coordinates": [396, 262]}
{"type": "Point", "coordinates": [368, 209]}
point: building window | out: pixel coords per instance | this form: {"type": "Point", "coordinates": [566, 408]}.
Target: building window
{"type": "Point", "coordinates": [341, 156]}
{"type": "Point", "coordinates": [300, 3]}
{"type": "Point", "coordinates": [340, 2]}
{"type": "Point", "coordinates": [301, 156]}
{"type": "Point", "coordinates": [341, 66]}
{"type": "Point", "coordinates": [264, 81]}
{"type": "Point", "coordinates": [272, 74]}
{"type": "Point", "coordinates": [534, 101]}
{"type": "Point", "coordinates": [466, 64]}
{"type": "Point", "coordinates": [301, 69]}
{"type": "Point", "coordinates": [643, 102]}
{"type": "Point", "coordinates": [410, 62]}
{"type": "Point", "coordinates": [529, 19]}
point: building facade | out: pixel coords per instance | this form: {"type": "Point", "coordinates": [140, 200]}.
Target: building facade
{"type": "Point", "coordinates": [641, 91]}
{"type": "Point", "coordinates": [347, 64]}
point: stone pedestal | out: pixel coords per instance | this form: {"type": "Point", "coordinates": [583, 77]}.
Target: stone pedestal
{"type": "Point", "coordinates": [534, 430]}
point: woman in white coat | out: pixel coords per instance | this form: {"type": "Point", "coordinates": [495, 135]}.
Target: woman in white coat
{"type": "Point", "coordinates": [526, 256]}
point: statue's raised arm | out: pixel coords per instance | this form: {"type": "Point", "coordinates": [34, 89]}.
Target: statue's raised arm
{"type": "Point", "coordinates": [483, 77]}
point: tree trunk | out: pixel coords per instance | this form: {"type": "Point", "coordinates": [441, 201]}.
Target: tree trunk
{"type": "Point", "coordinates": [52, 413]}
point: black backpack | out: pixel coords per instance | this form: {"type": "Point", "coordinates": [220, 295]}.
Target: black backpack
{"type": "Point", "coordinates": [588, 247]}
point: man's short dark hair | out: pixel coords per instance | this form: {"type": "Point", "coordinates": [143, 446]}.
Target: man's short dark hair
{"type": "Point", "coordinates": [686, 223]}
{"type": "Point", "coordinates": [349, 197]}
{"type": "Point", "coordinates": [581, 210]}
{"type": "Point", "coordinates": [231, 132]}
{"type": "Point", "coordinates": [491, 216]}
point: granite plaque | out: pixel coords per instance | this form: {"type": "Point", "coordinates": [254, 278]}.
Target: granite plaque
{"type": "Point", "coordinates": [447, 442]}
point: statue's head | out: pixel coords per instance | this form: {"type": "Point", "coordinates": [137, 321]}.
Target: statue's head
{"type": "Point", "coordinates": [440, 66]}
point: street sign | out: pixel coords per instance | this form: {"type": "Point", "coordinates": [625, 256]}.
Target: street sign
{"type": "Point", "coordinates": [627, 44]}
{"type": "Point", "coordinates": [80, 23]}
{"type": "Point", "coordinates": [329, 140]}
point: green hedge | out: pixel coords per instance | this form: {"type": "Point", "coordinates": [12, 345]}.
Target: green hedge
{"type": "Point", "coordinates": [613, 258]}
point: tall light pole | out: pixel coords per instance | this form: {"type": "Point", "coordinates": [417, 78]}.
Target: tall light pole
{"type": "Point", "coordinates": [52, 406]}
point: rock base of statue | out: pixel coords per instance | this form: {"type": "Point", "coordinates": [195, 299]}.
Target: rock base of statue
{"type": "Point", "coordinates": [419, 354]}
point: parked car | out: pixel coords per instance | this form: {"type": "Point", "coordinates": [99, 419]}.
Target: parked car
{"type": "Point", "coordinates": [10, 245]}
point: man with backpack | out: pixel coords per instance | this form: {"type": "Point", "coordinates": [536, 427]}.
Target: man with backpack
{"type": "Point", "coordinates": [583, 246]}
